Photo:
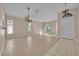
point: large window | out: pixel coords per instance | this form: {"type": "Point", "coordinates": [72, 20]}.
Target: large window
{"type": "Point", "coordinates": [47, 29]}
{"type": "Point", "coordinates": [29, 27]}
{"type": "Point", "coordinates": [9, 26]}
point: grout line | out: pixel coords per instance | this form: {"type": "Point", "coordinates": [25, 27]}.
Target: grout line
{"type": "Point", "coordinates": [59, 47]}
{"type": "Point", "coordinates": [51, 46]}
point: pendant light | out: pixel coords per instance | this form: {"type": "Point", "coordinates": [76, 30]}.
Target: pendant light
{"type": "Point", "coordinates": [28, 18]}
{"type": "Point", "coordinates": [66, 12]}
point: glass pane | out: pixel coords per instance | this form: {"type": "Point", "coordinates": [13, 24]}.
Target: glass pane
{"type": "Point", "coordinates": [9, 26]}
{"type": "Point", "coordinates": [47, 29]}
{"type": "Point", "coordinates": [29, 27]}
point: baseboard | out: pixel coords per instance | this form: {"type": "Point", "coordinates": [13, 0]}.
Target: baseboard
{"type": "Point", "coordinates": [76, 39]}
{"type": "Point", "coordinates": [16, 36]}
{"type": "Point", "coordinates": [64, 38]}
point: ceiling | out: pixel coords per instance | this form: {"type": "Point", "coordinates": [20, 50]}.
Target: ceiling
{"type": "Point", "coordinates": [42, 12]}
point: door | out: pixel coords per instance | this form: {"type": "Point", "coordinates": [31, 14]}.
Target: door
{"type": "Point", "coordinates": [2, 28]}
{"type": "Point", "coordinates": [67, 27]}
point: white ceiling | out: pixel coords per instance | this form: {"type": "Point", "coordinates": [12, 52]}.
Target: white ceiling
{"type": "Point", "coordinates": [39, 11]}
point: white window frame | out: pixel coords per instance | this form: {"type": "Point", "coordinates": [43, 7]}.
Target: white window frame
{"type": "Point", "coordinates": [9, 26]}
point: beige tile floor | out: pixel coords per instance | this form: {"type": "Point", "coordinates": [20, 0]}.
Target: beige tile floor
{"type": "Point", "coordinates": [40, 45]}
{"type": "Point", "coordinates": [64, 47]}
{"type": "Point", "coordinates": [31, 45]}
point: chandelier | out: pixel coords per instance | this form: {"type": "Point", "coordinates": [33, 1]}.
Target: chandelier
{"type": "Point", "coordinates": [66, 12]}
{"type": "Point", "coordinates": [28, 18]}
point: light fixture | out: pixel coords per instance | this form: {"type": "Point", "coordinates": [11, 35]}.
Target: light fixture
{"type": "Point", "coordinates": [28, 18]}
{"type": "Point", "coordinates": [66, 12]}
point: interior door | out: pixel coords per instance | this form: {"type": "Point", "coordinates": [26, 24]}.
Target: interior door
{"type": "Point", "coordinates": [67, 27]}
{"type": "Point", "coordinates": [2, 28]}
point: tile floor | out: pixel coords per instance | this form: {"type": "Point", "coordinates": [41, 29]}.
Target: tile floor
{"type": "Point", "coordinates": [40, 45]}
{"type": "Point", "coordinates": [64, 47]}
{"type": "Point", "coordinates": [32, 45]}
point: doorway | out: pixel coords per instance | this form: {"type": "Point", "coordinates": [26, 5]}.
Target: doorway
{"type": "Point", "coordinates": [67, 27]}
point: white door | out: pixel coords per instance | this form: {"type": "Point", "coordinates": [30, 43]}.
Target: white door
{"type": "Point", "coordinates": [2, 30]}
{"type": "Point", "coordinates": [67, 27]}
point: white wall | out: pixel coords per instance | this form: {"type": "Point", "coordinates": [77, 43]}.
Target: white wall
{"type": "Point", "coordinates": [78, 24]}
{"type": "Point", "coordinates": [20, 27]}
{"type": "Point", "coordinates": [2, 31]}
{"type": "Point", "coordinates": [75, 14]}
{"type": "Point", "coordinates": [36, 27]}
{"type": "Point", "coordinates": [52, 25]}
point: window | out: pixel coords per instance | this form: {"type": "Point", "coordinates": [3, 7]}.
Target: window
{"type": "Point", "coordinates": [47, 29]}
{"type": "Point", "coordinates": [9, 26]}
{"type": "Point", "coordinates": [29, 27]}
